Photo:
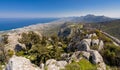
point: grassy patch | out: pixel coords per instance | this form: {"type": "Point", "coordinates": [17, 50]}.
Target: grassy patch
{"type": "Point", "coordinates": [81, 65]}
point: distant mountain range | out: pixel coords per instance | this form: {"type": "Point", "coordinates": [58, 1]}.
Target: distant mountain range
{"type": "Point", "coordinates": [86, 19]}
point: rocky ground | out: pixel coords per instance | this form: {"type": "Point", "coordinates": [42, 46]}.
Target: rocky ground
{"type": "Point", "coordinates": [81, 48]}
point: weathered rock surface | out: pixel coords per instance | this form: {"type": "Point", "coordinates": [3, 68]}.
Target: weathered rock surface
{"type": "Point", "coordinates": [96, 58]}
{"type": "Point", "coordinates": [20, 63]}
{"type": "Point", "coordinates": [84, 45]}
{"type": "Point", "coordinates": [76, 56]}
{"type": "Point", "coordinates": [86, 54]}
{"type": "Point", "coordinates": [13, 41]}
{"type": "Point", "coordinates": [52, 64]}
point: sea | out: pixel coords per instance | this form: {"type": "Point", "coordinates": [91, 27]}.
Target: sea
{"type": "Point", "coordinates": [13, 23]}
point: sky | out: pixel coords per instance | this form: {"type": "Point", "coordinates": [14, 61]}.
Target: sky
{"type": "Point", "coordinates": [58, 8]}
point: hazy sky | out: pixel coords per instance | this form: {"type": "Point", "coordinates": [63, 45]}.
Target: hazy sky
{"type": "Point", "coordinates": [58, 8]}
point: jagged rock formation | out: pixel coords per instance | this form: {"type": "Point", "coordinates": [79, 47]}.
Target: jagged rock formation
{"type": "Point", "coordinates": [96, 58]}
{"type": "Point", "coordinates": [20, 63]}
{"type": "Point", "coordinates": [83, 47]}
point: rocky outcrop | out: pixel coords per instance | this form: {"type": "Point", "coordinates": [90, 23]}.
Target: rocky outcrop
{"type": "Point", "coordinates": [20, 63]}
{"type": "Point", "coordinates": [86, 54]}
{"type": "Point", "coordinates": [85, 44]}
{"type": "Point", "coordinates": [52, 64]}
{"type": "Point", "coordinates": [13, 41]}
{"type": "Point", "coordinates": [96, 58]}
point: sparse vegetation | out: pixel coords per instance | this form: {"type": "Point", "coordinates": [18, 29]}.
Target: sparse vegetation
{"type": "Point", "coordinates": [83, 64]}
{"type": "Point", "coordinates": [111, 54]}
{"type": "Point", "coordinates": [40, 49]}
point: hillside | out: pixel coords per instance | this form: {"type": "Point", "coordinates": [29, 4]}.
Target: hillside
{"type": "Point", "coordinates": [72, 48]}
{"type": "Point", "coordinates": [60, 45]}
{"type": "Point", "coordinates": [112, 27]}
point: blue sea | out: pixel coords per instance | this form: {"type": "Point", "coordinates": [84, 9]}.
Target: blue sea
{"type": "Point", "coordinates": [12, 23]}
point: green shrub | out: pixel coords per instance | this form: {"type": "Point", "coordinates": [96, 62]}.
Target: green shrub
{"type": "Point", "coordinates": [102, 36]}
{"type": "Point", "coordinates": [94, 47]}
{"type": "Point", "coordinates": [73, 66]}
{"type": "Point", "coordinates": [5, 39]}
{"type": "Point", "coordinates": [37, 48]}
{"type": "Point", "coordinates": [1, 67]}
{"type": "Point", "coordinates": [111, 54]}
{"type": "Point", "coordinates": [10, 53]}
{"type": "Point", "coordinates": [20, 53]}
{"type": "Point", "coordinates": [29, 39]}
{"type": "Point", "coordinates": [83, 64]}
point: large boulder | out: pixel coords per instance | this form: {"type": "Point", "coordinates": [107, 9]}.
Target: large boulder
{"type": "Point", "coordinates": [20, 63]}
{"type": "Point", "coordinates": [52, 64]}
{"type": "Point", "coordinates": [84, 45]}
{"type": "Point", "coordinates": [96, 58]}
{"type": "Point", "coordinates": [86, 54]}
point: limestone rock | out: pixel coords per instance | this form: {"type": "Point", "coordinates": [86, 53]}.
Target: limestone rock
{"type": "Point", "coordinates": [83, 45]}
{"type": "Point", "coordinates": [61, 64]}
{"type": "Point", "coordinates": [20, 63]}
{"type": "Point", "coordinates": [52, 67]}
{"type": "Point", "coordinates": [86, 54]}
{"type": "Point", "coordinates": [76, 56]}
{"type": "Point", "coordinates": [55, 65]}
{"type": "Point", "coordinates": [50, 62]}
{"type": "Point", "coordinates": [88, 41]}
{"type": "Point", "coordinates": [80, 45]}
{"type": "Point", "coordinates": [97, 59]}
{"type": "Point", "coordinates": [13, 41]}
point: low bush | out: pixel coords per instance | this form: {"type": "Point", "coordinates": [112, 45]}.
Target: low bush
{"type": "Point", "coordinates": [94, 47]}
{"type": "Point", "coordinates": [111, 54]}
{"type": "Point", "coordinates": [83, 64]}
{"type": "Point", "coordinates": [10, 53]}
